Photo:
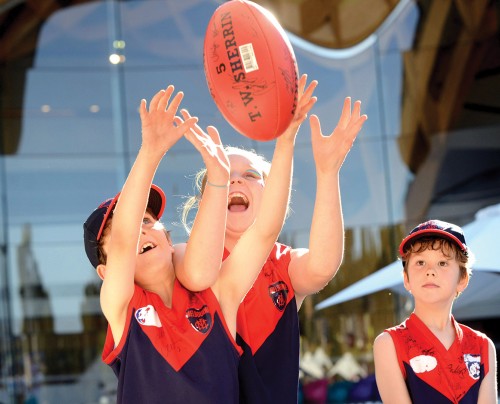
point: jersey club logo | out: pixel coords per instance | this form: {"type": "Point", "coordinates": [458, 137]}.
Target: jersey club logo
{"type": "Point", "coordinates": [200, 319]}
{"type": "Point", "coordinates": [147, 316]}
{"type": "Point", "coordinates": [473, 363]}
{"type": "Point", "coordinates": [279, 293]}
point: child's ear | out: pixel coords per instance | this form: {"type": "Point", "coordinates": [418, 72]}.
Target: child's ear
{"type": "Point", "coordinates": [463, 283]}
{"type": "Point", "coordinates": [101, 271]}
{"type": "Point", "coordinates": [406, 281]}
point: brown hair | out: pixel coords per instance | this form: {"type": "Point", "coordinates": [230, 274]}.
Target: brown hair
{"type": "Point", "coordinates": [447, 247]}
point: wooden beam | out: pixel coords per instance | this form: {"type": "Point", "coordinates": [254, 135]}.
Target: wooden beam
{"type": "Point", "coordinates": [419, 64]}
{"type": "Point", "coordinates": [453, 92]}
{"type": "Point", "coordinates": [472, 13]}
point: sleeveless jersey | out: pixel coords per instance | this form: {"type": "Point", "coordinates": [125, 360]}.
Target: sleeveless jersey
{"type": "Point", "coordinates": [180, 355]}
{"type": "Point", "coordinates": [434, 374]}
{"type": "Point", "coordinates": [268, 332]}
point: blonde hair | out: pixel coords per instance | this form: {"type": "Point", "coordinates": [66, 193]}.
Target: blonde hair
{"type": "Point", "coordinates": [200, 180]}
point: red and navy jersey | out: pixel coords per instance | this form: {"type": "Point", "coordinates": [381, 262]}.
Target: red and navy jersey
{"type": "Point", "coordinates": [268, 332]}
{"type": "Point", "coordinates": [434, 374]}
{"type": "Point", "coordinates": [183, 354]}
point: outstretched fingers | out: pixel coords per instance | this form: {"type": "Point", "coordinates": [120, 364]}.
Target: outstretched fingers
{"type": "Point", "coordinates": [161, 97]}
{"type": "Point", "coordinates": [310, 90]}
{"type": "Point", "coordinates": [345, 116]}
{"type": "Point", "coordinates": [301, 85]}
{"type": "Point", "coordinates": [188, 125]}
{"type": "Point", "coordinates": [218, 147]}
{"type": "Point", "coordinates": [315, 126]}
{"type": "Point", "coordinates": [305, 98]}
{"type": "Point", "coordinates": [153, 104]}
{"type": "Point", "coordinates": [305, 101]}
{"type": "Point", "coordinates": [331, 150]}
{"type": "Point", "coordinates": [214, 135]}
{"type": "Point", "coordinates": [357, 120]}
{"type": "Point", "coordinates": [194, 134]}
{"type": "Point", "coordinates": [356, 110]}
{"type": "Point", "coordinates": [171, 109]}
{"type": "Point", "coordinates": [143, 109]}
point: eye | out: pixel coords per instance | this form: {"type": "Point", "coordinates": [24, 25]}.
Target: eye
{"type": "Point", "coordinates": [443, 263]}
{"type": "Point", "coordinates": [419, 263]}
{"type": "Point", "coordinates": [146, 220]}
{"type": "Point", "coordinates": [252, 174]}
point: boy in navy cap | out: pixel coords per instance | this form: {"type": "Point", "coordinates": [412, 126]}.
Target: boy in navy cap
{"type": "Point", "coordinates": [430, 358]}
{"type": "Point", "coordinates": [167, 343]}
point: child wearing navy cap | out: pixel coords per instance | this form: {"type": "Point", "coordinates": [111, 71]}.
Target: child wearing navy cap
{"type": "Point", "coordinates": [431, 358]}
{"type": "Point", "coordinates": [168, 342]}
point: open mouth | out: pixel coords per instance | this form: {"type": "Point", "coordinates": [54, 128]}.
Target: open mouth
{"type": "Point", "coordinates": [237, 202]}
{"type": "Point", "coordinates": [146, 247]}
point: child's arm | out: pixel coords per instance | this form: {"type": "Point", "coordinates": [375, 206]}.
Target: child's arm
{"type": "Point", "coordinates": [310, 270]}
{"type": "Point", "coordinates": [488, 392]}
{"type": "Point", "coordinates": [390, 381]}
{"type": "Point", "coordinates": [240, 269]}
{"type": "Point", "coordinates": [158, 135]}
{"type": "Point", "coordinates": [198, 262]}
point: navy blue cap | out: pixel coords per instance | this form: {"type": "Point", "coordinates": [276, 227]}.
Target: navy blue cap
{"type": "Point", "coordinates": [95, 223]}
{"type": "Point", "coordinates": [436, 228]}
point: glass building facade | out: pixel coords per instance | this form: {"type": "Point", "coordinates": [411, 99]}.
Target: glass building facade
{"type": "Point", "coordinates": [72, 74]}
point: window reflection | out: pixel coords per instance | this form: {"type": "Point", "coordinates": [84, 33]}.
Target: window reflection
{"type": "Point", "coordinates": [70, 130]}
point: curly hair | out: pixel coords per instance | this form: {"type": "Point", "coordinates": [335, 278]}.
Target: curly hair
{"type": "Point", "coordinates": [448, 248]}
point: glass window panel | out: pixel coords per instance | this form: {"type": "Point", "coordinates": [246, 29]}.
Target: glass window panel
{"type": "Point", "coordinates": [341, 74]}
{"type": "Point", "coordinates": [76, 37]}
{"type": "Point", "coordinates": [398, 32]}
{"type": "Point", "coordinates": [68, 112]}
{"type": "Point", "coordinates": [58, 190]}
{"type": "Point", "coordinates": [399, 177]}
{"type": "Point", "coordinates": [197, 100]}
{"type": "Point", "coordinates": [80, 132]}
{"type": "Point", "coordinates": [49, 199]}
{"type": "Point", "coordinates": [363, 167]}
{"type": "Point", "coordinates": [165, 33]}
{"type": "Point", "coordinates": [391, 91]}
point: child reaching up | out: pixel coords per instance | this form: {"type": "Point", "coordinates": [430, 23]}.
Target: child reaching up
{"type": "Point", "coordinates": [268, 323]}
{"type": "Point", "coordinates": [166, 343]}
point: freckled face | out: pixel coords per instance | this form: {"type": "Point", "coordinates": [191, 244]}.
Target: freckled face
{"type": "Point", "coordinates": [245, 193]}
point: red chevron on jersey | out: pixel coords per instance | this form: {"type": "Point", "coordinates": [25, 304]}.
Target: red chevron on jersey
{"type": "Point", "coordinates": [264, 304]}
{"type": "Point", "coordinates": [431, 371]}
{"type": "Point", "coordinates": [268, 331]}
{"type": "Point", "coordinates": [177, 332]}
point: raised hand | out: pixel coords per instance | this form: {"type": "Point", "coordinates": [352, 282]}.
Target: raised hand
{"type": "Point", "coordinates": [210, 147]}
{"type": "Point", "coordinates": [159, 132]}
{"type": "Point", "coordinates": [305, 102]}
{"type": "Point", "coordinates": [331, 150]}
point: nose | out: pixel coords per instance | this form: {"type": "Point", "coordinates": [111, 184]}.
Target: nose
{"type": "Point", "coordinates": [431, 271]}
{"type": "Point", "coordinates": [236, 179]}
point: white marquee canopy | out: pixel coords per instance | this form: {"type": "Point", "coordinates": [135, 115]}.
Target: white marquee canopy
{"type": "Point", "coordinates": [481, 299]}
